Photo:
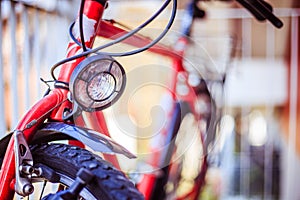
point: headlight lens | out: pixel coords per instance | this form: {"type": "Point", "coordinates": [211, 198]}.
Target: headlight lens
{"type": "Point", "coordinates": [101, 86]}
{"type": "Point", "coordinates": [97, 82]}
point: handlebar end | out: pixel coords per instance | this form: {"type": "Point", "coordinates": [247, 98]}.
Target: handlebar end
{"type": "Point", "coordinates": [278, 23]}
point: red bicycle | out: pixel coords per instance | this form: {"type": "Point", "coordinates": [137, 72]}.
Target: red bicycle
{"type": "Point", "coordinates": [192, 115]}
{"type": "Point", "coordinates": [90, 80]}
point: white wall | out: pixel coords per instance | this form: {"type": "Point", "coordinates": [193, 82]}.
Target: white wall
{"type": "Point", "coordinates": [257, 82]}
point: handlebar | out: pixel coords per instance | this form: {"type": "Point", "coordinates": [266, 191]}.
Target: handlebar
{"type": "Point", "coordinates": [262, 11]}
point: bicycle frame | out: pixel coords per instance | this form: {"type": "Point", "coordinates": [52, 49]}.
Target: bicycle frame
{"type": "Point", "coordinates": [262, 11]}
{"type": "Point", "coordinates": [176, 54]}
{"type": "Point", "coordinates": [52, 106]}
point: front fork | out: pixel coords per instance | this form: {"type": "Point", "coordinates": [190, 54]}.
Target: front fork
{"type": "Point", "coordinates": [11, 165]}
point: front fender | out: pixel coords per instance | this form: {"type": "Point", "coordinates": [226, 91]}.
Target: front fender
{"type": "Point", "coordinates": [53, 131]}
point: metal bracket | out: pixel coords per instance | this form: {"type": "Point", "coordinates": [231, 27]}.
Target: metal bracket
{"type": "Point", "coordinates": [24, 165]}
{"type": "Point", "coordinates": [74, 113]}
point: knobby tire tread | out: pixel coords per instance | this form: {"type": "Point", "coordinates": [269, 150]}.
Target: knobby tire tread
{"type": "Point", "coordinates": [110, 183]}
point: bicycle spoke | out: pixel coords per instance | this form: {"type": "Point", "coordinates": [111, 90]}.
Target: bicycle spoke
{"type": "Point", "coordinates": [43, 189]}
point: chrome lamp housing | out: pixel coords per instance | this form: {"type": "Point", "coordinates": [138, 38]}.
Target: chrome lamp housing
{"type": "Point", "coordinates": [97, 82]}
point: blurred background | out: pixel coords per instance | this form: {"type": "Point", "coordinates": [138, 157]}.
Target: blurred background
{"type": "Point", "coordinates": [259, 154]}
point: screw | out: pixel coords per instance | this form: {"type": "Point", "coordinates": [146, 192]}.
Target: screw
{"type": "Point", "coordinates": [28, 189]}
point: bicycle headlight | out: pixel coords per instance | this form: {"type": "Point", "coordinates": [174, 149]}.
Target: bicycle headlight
{"type": "Point", "coordinates": [97, 82]}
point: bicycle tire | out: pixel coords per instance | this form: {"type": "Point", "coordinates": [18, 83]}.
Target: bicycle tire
{"type": "Point", "coordinates": [66, 160]}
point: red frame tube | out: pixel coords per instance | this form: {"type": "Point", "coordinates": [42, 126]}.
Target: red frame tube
{"type": "Point", "coordinates": [108, 30]}
{"type": "Point", "coordinates": [40, 111]}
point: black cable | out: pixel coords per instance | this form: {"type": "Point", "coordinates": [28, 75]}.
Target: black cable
{"type": "Point", "coordinates": [134, 31]}
{"type": "Point", "coordinates": [73, 37]}
{"type": "Point", "coordinates": [156, 40]}
{"type": "Point", "coordinates": [108, 20]}
{"type": "Point", "coordinates": [120, 39]}
{"type": "Point", "coordinates": [81, 26]}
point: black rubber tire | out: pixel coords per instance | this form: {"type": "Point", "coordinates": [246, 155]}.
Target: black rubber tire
{"type": "Point", "coordinates": [108, 184]}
